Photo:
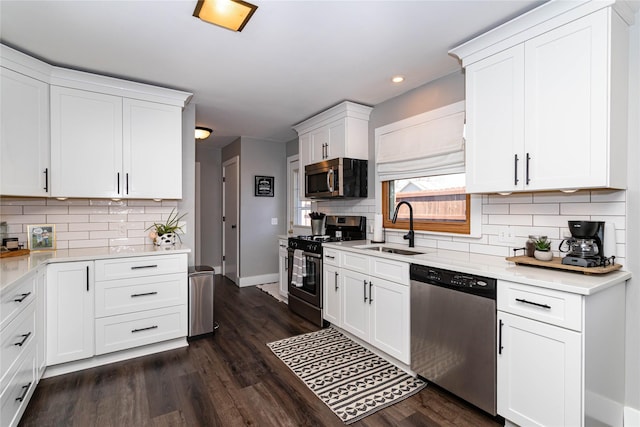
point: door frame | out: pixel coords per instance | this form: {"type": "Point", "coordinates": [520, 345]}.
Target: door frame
{"type": "Point", "coordinates": [236, 160]}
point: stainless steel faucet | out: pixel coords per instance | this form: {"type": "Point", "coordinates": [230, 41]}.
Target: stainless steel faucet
{"type": "Point", "coordinates": [410, 235]}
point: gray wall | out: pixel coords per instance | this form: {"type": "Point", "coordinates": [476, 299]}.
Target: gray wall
{"type": "Point", "coordinates": [210, 160]}
{"type": "Point", "coordinates": [293, 147]}
{"type": "Point", "coordinates": [188, 203]}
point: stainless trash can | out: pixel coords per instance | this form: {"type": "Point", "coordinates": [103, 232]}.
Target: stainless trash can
{"type": "Point", "coordinates": [201, 291]}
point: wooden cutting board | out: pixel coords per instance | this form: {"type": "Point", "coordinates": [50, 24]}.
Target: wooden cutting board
{"type": "Point", "coordinates": [19, 252]}
{"type": "Point", "coordinates": [556, 263]}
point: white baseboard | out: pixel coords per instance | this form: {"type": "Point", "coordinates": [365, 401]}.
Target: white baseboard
{"type": "Point", "coordinates": [258, 280]}
{"type": "Point", "coordinates": [65, 368]}
{"type": "Point", "coordinates": [631, 417]}
{"type": "Point", "coordinates": [604, 410]}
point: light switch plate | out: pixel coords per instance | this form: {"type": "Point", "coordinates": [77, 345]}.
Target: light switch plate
{"type": "Point", "coordinates": [274, 221]}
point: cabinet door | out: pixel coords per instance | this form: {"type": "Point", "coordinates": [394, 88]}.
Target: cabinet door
{"type": "Point", "coordinates": [24, 139]}
{"type": "Point", "coordinates": [318, 144]}
{"type": "Point", "coordinates": [566, 106]}
{"type": "Point", "coordinates": [70, 312]}
{"type": "Point", "coordinates": [389, 304]}
{"type": "Point", "coordinates": [304, 158]}
{"type": "Point", "coordinates": [539, 373]}
{"type": "Point", "coordinates": [86, 144]}
{"type": "Point", "coordinates": [337, 140]}
{"type": "Point", "coordinates": [152, 150]}
{"type": "Point", "coordinates": [355, 303]}
{"type": "Point", "coordinates": [332, 304]}
{"type": "Point", "coordinates": [283, 268]}
{"type": "Point", "coordinates": [495, 122]}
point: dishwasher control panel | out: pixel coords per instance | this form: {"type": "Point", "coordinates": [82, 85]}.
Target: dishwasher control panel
{"type": "Point", "coordinates": [469, 283]}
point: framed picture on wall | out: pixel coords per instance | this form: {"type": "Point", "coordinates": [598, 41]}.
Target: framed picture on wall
{"type": "Point", "coordinates": [264, 186]}
{"type": "Point", "coordinates": [40, 237]}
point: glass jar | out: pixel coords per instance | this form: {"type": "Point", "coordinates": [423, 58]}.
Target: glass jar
{"type": "Point", "coordinates": [530, 245]}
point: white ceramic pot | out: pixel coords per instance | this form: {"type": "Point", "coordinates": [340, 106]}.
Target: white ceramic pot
{"type": "Point", "coordinates": [543, 255]}
{"type": "Point", "coordinates": [168, 239]}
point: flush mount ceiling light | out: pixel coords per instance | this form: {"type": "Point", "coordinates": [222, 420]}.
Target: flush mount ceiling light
{"type": "Point", "coordinates": [397, 79]}
{"type": "Point", "coordinates": [202, 132]}
{"type": "Point", "coordinates": [231, 14]}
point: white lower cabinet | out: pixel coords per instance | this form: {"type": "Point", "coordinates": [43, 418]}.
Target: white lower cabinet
{"type": "Point", "coordinates": [70, 312]}
{"type": "Point", "coordinates": [283, 268]}
{"type": "Point", "coordinates": [374, 308]}
{"type": "Point", "coordinates": [331, 288]}
{"type": "Point", "coordinates": [552, 347]}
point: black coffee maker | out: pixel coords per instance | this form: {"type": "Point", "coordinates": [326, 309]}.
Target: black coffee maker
{"type": "Point", "coordinates": [584, 248]}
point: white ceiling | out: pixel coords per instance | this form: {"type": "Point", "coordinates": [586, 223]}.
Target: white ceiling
{"type": "Point", "coordinates": [292, 60]}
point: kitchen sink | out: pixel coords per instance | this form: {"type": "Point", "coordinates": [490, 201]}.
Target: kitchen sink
{"type": "Point", "coordinates": [389, 250]}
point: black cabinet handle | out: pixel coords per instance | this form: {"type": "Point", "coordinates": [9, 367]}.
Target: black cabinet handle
{"type": "Point", "coordinates": [515, 169]}
{"type": "Point", "coordinates": [336, 280]}
{"type": "Point", "coordinates": [364, 289]}
{"type": "Point", "coordinates": [118, 174]}
{"type": "Point", "coordinates": [46, 180]}
{"type": "Point", "coordinates": [144, 294]}
{"type": "Point", "coordinates": [126, 182]}
{"type": "Point", "coordinates": [330, 256]}
{"type": "Point", "coordinates": [133, 331]}
{"type": "Point", "coordinates": [87, 278]}
{"type": "Point", "coordinates": [25, 390]}
{"type": "Point", "coordinates": [524, 301]}
{"type": "Point", "coordinates": [500, 337]}
{"type": "Point", "coordinates": [527, 169]}
{"type": "Point", "coordinates": [22, 297]}
{"type": "Point", "coordinates": [25, 337]}
{"type": "Point", "coordinates": [139, 267]}
{"type": "Point", "coordinates": [370, 294]}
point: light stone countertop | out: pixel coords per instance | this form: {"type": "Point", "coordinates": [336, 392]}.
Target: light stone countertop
{"type": "Point", "coordinates": [13, 269]}
{"type": "Point", "coordinates": [494, 267]}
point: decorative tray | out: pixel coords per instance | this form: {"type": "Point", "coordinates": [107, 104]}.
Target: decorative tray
{"type": "Point", "coordinates": [556, 263]}
{"type": "Point", "coordinates": [17, 252]}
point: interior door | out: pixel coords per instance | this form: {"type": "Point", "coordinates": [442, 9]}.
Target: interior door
{"type": "Point", "coordinates": [230, 210]}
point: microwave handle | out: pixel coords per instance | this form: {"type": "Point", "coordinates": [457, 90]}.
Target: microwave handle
{"type": "Point", "coordinates": [329, 180]}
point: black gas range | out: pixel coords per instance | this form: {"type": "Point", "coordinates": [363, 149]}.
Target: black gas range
{"type": "Point", "coordinates": [305, 293]}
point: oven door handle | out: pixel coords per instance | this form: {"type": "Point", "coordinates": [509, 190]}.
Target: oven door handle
{"type": "Point", "coordinates": [312, 255]}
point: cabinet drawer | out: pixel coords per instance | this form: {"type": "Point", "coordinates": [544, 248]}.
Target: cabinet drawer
{"type": "Point", "coordinates": [18, 298]}
{"type": "Point", "coordinates": [15, 397]}
{"type": "Point", "coordinates": [136, 329]}
{"type": "Point", "coordinates": [15, 339]}
{"type": "Point", "coordinates": [355, 262]}
{"type": "Point", "coordinates": [546, 305]}
{"type": "Point", "coordinates": [125, 268]}
{"type": "Point", "coordinates": [331, 256]}
{"type": "Point", "coordinates": [145, 293]}
{"type": "Point", "coordinates": [396, 271]}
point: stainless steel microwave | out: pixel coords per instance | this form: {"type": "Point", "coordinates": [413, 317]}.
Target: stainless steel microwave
{"type": "Point", "coordinates": [341, 177]}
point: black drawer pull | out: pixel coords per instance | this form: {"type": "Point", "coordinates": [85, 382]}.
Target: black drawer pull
{"type": "Point", "coordinates": [25, 337]}
{"type": "Point", "coordinates": [330, 256]}
{"type": "Point", "coordinates": [22, 297]}
{"type": "Point", "coordinates": [133, 331]}
{"type": "Point", "coordinates": [139, 267]}
{"type": "Point", "coordinates": [25, 390]}
{"type": "Point", "coordinates": [524, 301]}
{"type": "Point", "coordinates": [370, 294]}
{"type": "Point", "coordinates": [143, 294]}
{"type": "Point", "coordinates": [500, 347]}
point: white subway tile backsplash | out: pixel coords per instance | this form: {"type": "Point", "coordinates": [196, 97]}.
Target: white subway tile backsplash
{"type": "Point", "coordinates": [88, 226]}
{"type": "Point", "coordinates": [496, 209]}
{"type": "Point", "coordinates": [72, 235]}
{"type": "Point", "coordinates": [535, 208]}
{"type": "Point", "coordinates": [54, 219]}
{"type": "Point", "coordinates": [10, 210]}
{"type": "Point", "coordinates": [145, 218]}
{"type": "Point", "coordinates": [16, 201]}
{"type": "Point", "coordinates": [126, 241]}
{"type": "Point", "coordinates": [560, 197]}
{"type": "Point", "coordinates": [105, 202]}
{"type": "Point", "coordinates": [24, 219]}
{"type": "Point", "coordinates": [511, 198]}
{"type": "Point", "coordinates": [68, 202]}
{"type": "Point", "coordinates": [122, 210]}
{"type": "Point", "coordinates": [610, 208]}
{"type": "Point", "coordinates": [47, 210]}
{"type": "Point", "coordinates": [490, 250]}
{"type": "Point", "coordinates": [453, 246]}
{"type": "Point", "coordinates": [608, 196]}
{"type": "Point", "coordinates": [109, 234]}
{"type": "Point", "coordinates": [511, 219]}
{"type": "Point", "coordinates": [556, 221]}
{"type": "Point", "coordinates": [107, 218]}
{"type": "Point", "coordinates": [89, 210]}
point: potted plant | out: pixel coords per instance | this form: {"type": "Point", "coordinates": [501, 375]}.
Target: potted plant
{"type": "Point", "coordinates": [164, 234]}
{"type": "Point", "coordinates": [543, 249]}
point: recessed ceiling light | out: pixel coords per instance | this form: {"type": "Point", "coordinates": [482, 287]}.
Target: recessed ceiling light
{"type": "Point", "coordinates": [397, 79]}
{"type": "Point", "coordinates": [231, 14]}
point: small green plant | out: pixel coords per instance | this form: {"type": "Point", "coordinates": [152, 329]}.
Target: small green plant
{"type": "Point", "coordinates": [171, 225]}
{"type": "Point", "coordinates": [543, 244]}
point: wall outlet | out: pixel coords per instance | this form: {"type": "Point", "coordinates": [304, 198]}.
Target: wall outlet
{"type": "Point", "coordinates": [505, 235]}
{"type": "Point", "coordinates": [122, 229]}
{"type": "Point", "coordinates": [274, 221]}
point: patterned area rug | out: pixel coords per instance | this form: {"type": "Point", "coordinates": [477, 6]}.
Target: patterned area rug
{"type": "Point", "coordinates": [352, 381]}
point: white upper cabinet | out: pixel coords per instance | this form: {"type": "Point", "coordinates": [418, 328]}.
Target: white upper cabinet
{"type": "Point", "coordinates": [24, 139]}
{"type": "Point", "coordinates": [546, 107]}
{"type": "Point", "coordinates": [86, 144]}
{"type": "Point", "coordinates": [152, 150]}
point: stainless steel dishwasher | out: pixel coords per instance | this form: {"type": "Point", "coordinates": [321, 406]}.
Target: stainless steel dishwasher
{"type": "Point", "coordinates": [453, 333]}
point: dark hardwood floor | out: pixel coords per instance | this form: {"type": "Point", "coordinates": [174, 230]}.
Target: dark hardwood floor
{"type": "Point", "coordinates": [229, 379]}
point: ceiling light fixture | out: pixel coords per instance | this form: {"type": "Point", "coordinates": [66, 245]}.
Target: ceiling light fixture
{"type": "Point", "coordinates": [202, 132]}
{"type": "Point", "coordinates": [397, 79]}
{"type": "Point", "coordinates": [231, 14]}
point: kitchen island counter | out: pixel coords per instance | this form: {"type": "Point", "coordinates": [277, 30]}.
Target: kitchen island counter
{"type": "Point", "coordinates": [494, 267]}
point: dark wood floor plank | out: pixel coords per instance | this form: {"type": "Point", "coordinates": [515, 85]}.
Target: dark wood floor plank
{"type": "Point", "coordinates": [230, 378]}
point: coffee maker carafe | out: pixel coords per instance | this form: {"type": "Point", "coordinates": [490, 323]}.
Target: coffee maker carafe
{"type": "Point", "coordinates": [584, 248]}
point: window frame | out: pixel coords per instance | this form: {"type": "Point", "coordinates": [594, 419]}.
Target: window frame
{"type": "Point", "coordinates": [423, 225]}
